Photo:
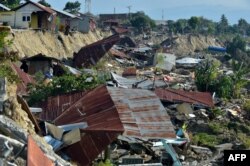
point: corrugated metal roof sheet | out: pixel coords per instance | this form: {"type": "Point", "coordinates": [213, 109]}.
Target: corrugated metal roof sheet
{"type": "Point", "coordinates": [35, 155]}
{"type": "Point", "coordinates": [112, 111]}
{"type": "Point", "coordinates": [44, 8]}
{"type": "Point", "coordinates": [4, 7]}
{"type": "Point", "coordinates": [25, 80]}
{"type": "Point", "coordinates": [198, 98]}
{"type": "Point", "coordinates": [141, 113]}
{"type": "Point", "coordinates": [65, 13]}
{"type": "Point", "coordinates": [55, 105]}
{"type": "Point", "coordinates": [91, 54]}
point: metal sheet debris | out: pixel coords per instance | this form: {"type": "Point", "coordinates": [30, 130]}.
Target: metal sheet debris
{"type": "Point", "coordinates": [35, 155]}
{"type": "Point", "coordinates": [91, 54]}
{"type": "Point", "coordinates": [180, 96]}
{"type": "Point", "coordinates": [133, 112]}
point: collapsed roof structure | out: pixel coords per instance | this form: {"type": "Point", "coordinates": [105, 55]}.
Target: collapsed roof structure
{"type": "Point", "coordinates": [91, 54]}
{"type": "Point", "coordinates": [110, 112]}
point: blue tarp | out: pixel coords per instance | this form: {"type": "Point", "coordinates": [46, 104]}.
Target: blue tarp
{"type": "Point", "coordinates": [218, 49]}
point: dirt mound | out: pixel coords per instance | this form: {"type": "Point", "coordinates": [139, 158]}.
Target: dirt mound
{"type": "Point", "coordinates": [187, 44]}
{"type": "Point", "coordinates": [29, 43]}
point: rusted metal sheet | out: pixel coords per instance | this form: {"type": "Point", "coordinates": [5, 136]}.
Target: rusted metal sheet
{"type": "Point", "coordinates": [25, 80]}
{"type": "Point", "coordinates": [121, 30]}
{"type": "Point", "coordinates": [141, 113]}
{"type": "Point", "coordinates": [180, 96]}
{"type": "Point", "coordinates": [96, 108]}
{"type": "Point", "coordinates": [25, 107]}
{"type": "Point", "coordinates": [35, 155]}
{"type": "Point", "coordinates": [131, 71]}
{"type": "Point", "coordinates": [90, 146]}
{"type": "Point", "coordinates": [118, 54]}
{"type": "Point", "coordinates": [91, 54]}
{"type": "Point", "coordinates": [54, 106]}
{"type": "Point", "coordinates": [109, 112]}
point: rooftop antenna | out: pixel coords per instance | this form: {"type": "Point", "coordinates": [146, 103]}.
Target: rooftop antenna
{"type": "Point", "coordinates": [87, 6]}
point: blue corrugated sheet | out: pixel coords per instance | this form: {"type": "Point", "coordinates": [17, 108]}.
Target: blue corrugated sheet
{"type": "Point", "coordinates": [217, 49]}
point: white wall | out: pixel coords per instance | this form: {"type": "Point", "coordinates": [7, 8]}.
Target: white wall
{"type": "Point", "coordinates": [26, 10]}
{"type": "Point", "coordinates": [8, 17]}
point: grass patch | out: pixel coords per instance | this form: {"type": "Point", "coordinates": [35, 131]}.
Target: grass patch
{"type": "Point", "coordinates": [205, 139]}
{"type": "Point", "coordinates": [217, 128]}
{"type": "Point", "coordinates": [244, 139]}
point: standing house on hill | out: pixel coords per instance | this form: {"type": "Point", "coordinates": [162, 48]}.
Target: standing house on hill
{"type": "Point", "coordinates": [64, 18]}
{"type": "Point", "coordinates": [34, 15]}
{"type": "Point", "coordinates": [88, 21]}
{"type": "Point", "coordinates": [30, 15]}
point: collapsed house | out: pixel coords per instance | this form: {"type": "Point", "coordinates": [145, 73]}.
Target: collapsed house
{"type": "Point", "coordinates": [110, 112]}
{"type": "Point", "coordinates": [25, 80]}
{"type": "Point", "coordinates": [91, 54]}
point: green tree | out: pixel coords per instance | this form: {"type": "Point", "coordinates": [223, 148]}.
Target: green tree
{"type": "Point", "coordinates": [242, 26]}
{"type": "Point", "coordinates": [171, 26]}
{"type": "Point", "coordinates": [180, 25]}
{"type": "Point", "coordinates": [223, 24]}
{"type": "Point", "coordinates": [238, 43]}
{"type": "Point", "coordinates": [194, 23]}
{"type": "Point", "coordinates": [10, 3]}
{"type": "Point", "coordinates": [206, 75]}
{"type": "Point", "coordinates": [44, 3]}
{"type": "Point", "coordinates": [238, 78]}
{"type": "Point", "coordinates": [141, 21]}
{"type": "Point", "coordinates": [72, 7]}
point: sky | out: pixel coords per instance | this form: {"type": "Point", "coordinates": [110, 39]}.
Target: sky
{"type": "Point", "coordinates": [170, 9]}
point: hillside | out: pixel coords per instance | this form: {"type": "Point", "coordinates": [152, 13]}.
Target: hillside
{"type": "Point", "coordinates": [29, 43]}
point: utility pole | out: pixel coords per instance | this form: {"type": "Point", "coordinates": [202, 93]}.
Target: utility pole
{"type": "Point", "coordinates": [162, 16]}
{"type": "Point", "coordinates": [129, 10]}
{"type": "Point", "coordinates": [87, 6]}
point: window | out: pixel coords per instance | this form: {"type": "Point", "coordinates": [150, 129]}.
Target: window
{"type": "Point", "coordinates": [26, 18]}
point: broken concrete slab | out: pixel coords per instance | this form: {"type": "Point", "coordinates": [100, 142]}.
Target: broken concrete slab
{"type": "Point", "coordinates": [201, 150]}
{"type": "Point", "coordinates": [185, 108]}
{"type": "Point", "coordinates": [72, 137]}
{"type": "Point", "coordinates": [55, 131]}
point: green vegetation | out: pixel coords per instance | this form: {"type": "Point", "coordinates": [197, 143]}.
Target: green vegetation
{"type": "Point", "coordinates": [205, 139]}
{"type": "Point", "coordinates": [44, 3]}
{"type": "Point", "coordinates": [5, 58]}
{"type": "Point", "coordinates": [244, 139]}
{"type": "Point", "coordinates": [141, 21]}
{"type": "Point", "coordinates": [72, 7]}
{"type": "Point", "coordinates": [246, 106]}
{"type": "Point", "coordinates": [11, 3]}
{"type": "Point", "coordinates": [208, 78]}
{"type": "Point", "coordinates": [62, 85]}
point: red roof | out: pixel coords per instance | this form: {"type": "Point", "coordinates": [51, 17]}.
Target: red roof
{"type": "Point", "coordinates": [171, 95]}
{"type": "Point", "coordinates": [91, 54]}
{"type": "Point", "coordinates": [25, 80]}
{"type": "Point", "coordinates": [36, 157]}
{"type": "Point", "coordinates": [113, 111]}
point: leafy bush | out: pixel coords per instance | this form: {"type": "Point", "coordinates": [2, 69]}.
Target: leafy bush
{"type": "Point", "coordinates": [246, 106]}
{"type": "Point", "coordinates": [205, 139]}
{"type": "Point", "coordinates": [62, 85]}
{"type": "Point", "coordinates": [245, 140]}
